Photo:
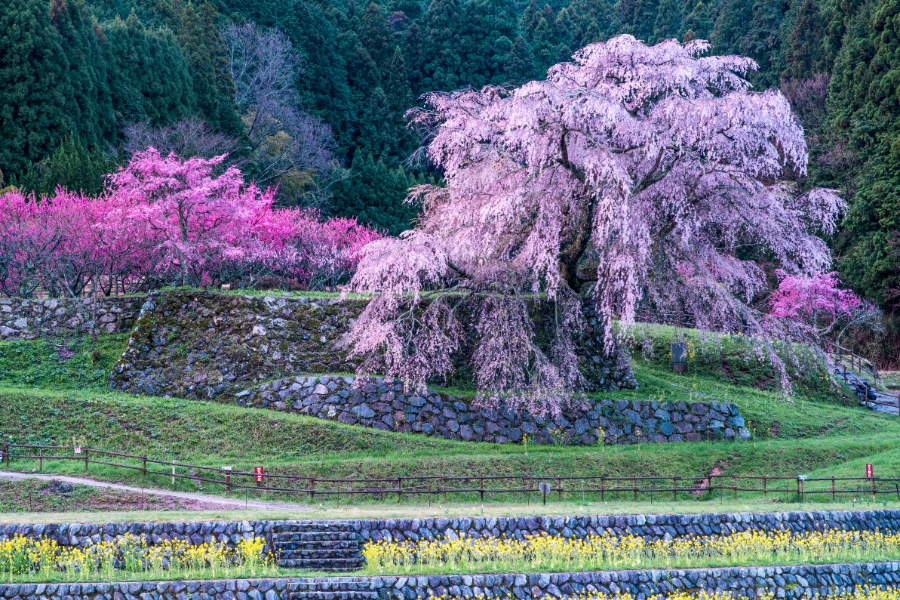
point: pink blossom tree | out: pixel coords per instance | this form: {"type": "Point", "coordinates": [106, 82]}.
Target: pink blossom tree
{"type": "Point", "coordinates": [657, 162]}
{"type": "Point", "coordinates": [163, 221]}
{"type": "Point", "coordinates": [28, 242]}
{"type": "Point", "coordinates": [817, 308]}
{"type": "Point", "coordinates": [186, 216]}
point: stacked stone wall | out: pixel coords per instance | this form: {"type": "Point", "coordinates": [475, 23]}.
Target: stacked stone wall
{"type": "Point", "coordinates": [26, 319]}
{"type": "Point", "coordinates": [650, 527]}
{"type": "Point", "coordinates": [384, 405]}
{"type": "Point", "coordinates": [783, 582]}
{"type": "Point", "coordinates": [204, 345]}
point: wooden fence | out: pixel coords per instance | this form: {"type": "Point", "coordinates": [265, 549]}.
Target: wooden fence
{"type": "Point", "coordinates": [510, 487]}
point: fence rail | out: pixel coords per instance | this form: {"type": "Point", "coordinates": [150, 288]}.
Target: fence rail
{"type": "Point", "coordinates": [848, 360]}
{"type": "Point", "coordinates": [602, 487]}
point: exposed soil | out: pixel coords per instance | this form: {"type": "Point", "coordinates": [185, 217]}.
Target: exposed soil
{"type": "Point", "coordinates": [26, 492]}
{"type": "Point", "coordinates": [718, 469]}
{"type": "Point", "coordinates": [57, 496]}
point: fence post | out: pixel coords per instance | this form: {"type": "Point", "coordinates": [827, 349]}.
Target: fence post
{"type": "Point", "coordinates": [874, 489]}
{"type": "Point", "coordinates": [399, 489]}
{"type": "Point", "coordinates": [482, 490]}
{"type": "Point", "coordinates": [674, 489]}
{"type": "Point", "coordinates": [765, 486]}
{"type": "Point", "coordinates": [559, 487]}
{"type": "Point", "coordinates": [40, 459]}
{"type": "Point", "coordinates": [312, 488]}
{"type": "Point", "coordinates": [634, 487]}
{"type": "Point", "coordinates": [832, 488]}
{"type": "Point", "coordinates": [602, 488]}
{"type": "Point", "coordinates": [144, 468]}
{"type": "Point", "coordinates": [734, 485]}
{"type": "Point", "coordinates": [6, 455]}
{"type": "Point", "coordinates": [85, 458]}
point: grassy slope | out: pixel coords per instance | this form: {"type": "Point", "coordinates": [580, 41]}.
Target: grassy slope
{"type": "Point", "coordinates": [792, 437]}
{"type": "Point", "coordinates": [38, 496]}
{"type": "Point", "coordinates": [44, 363]}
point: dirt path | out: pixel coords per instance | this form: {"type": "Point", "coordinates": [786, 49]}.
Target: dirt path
{"type": "Point", "coordinates": [218, 501]}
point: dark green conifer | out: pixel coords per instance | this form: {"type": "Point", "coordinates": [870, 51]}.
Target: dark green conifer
{"type": "Point", "coordinates": [443, 35]}
{"type": "Point", "coordinates": [804, 54]}
{"type": "Point", "coordinates": [148, 76]}
{"type": "Point", "coordinates": [205, 53]}
{"type": "Point", "coordinates": [89, 104]}
{"type": "Point", "coordinates": [375, 36]}
{"type": "Point", "coordinates": [34, 86]}
{"type": "Point", "coordinates": [72, 166]}
{"type": "Point", "coordinates": [375, 195]}
{"type": "Point", "coordinates": [668, 21]}
{"type": "Point", "coordinates": [519, 65]}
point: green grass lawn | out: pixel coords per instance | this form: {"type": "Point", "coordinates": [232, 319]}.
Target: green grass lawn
{"type": "Point", "coordinates": [50, 397]}
{"type": "Point", "coordinates": [812, 437]}
{"type": "Point", "coordinates": [78, 363]}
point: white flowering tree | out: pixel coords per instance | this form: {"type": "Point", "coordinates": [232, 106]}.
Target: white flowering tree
{"type": "Point", "coordinates": [658, 162]}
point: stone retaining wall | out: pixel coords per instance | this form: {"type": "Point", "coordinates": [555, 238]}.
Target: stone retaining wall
{"type": "Point", "coordinates": [651, 527]}
{"type": "Point", "coordinates": [375, 403]}
{"type": "Point", "coordinates": [225, 589]}
{"type": "Point", "coordinates": [87, 534]}
{"type": "Point", "coordinates": [25, 319]}
{"type": "Point", "coordinates": [204, 345]}
{"type": "Point", "coordinates": [783, 582]}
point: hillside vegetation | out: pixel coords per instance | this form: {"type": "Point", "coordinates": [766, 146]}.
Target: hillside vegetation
{"type": "Point", "coordinates": [65, 402]}
{"type": "Point", "coordinates": [158, 62]}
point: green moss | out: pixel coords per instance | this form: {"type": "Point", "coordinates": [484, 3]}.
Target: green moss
{"type": "Point", "coordinates": [69, 363]}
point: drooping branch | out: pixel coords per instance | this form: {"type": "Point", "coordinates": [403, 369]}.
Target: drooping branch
{"type": "Point", "coordinates": [657, 161]}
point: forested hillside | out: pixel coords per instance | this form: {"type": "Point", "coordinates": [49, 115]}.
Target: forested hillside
{"type": "Point", "coordinates": [311, 94]}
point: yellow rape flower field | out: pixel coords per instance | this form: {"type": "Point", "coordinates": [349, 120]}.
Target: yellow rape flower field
{"type": "Point", "coordinates": [129, 556]}
{"type": "Point", "coordinates": [607, 552]}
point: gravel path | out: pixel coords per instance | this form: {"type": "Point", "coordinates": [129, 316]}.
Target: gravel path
{"type": "Point", "coordinates": [232, 503]}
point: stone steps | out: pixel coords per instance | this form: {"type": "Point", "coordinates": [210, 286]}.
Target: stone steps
{"type": "Point", "coordinates": [332, 595]}
{"type": "Point", "coordinates": [317, 553]}
{"type": "Point", "coordinates": [318, 546]}
{"type": "Point", "coordinates": [329, 565]}
{"type": "Point", "coordinates": [316, 536]}
{"type": "Point", "coordinates": [333, 589]}
{"type": "Point", "coordinates": [323, 544]}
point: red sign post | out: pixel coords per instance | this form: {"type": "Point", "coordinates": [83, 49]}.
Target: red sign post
{"type": "Point", "coordinates": [260, 475]}
{"type": "Point", "coordinates": [870, 473]}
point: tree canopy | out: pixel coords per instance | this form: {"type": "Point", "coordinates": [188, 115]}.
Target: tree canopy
{"type": "Point", "coordinates": [657, 160]}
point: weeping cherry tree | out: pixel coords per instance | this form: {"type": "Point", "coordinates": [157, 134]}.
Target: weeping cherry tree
{"type": "Point", "coordinates": [657, 162]}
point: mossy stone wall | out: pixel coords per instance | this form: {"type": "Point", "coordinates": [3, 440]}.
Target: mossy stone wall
{"type": "Point", "coordinates": [205, 345]}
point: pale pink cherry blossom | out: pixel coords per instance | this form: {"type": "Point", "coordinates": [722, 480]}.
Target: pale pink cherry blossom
{"type": "Point", "coordinates": [658, 160]}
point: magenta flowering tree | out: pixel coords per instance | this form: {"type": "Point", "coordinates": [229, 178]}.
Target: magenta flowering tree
{"type": "Point", "coordinates": [65, 245]}
{"type": "Point", "coordinates": [187, 217]}
{"type": "Point", "coordinates": [28, 241]}
{"type": "Point", "coordinates": [817, 308]}
{"type": "Point", "coordinates": [165, 221]}
{"type": "Point", "coordinates": [632, 175]}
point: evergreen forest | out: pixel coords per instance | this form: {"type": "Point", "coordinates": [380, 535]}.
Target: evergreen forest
{"type": "Point", "coordinates": [311, 95]}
